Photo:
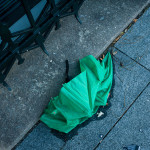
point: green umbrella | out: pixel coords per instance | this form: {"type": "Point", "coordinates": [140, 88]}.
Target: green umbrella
{"type": "Point", "coordinates": [80, 98]}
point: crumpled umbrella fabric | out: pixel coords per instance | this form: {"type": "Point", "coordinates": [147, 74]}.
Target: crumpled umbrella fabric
{"type": "Point", "coordinates": [81, 97]}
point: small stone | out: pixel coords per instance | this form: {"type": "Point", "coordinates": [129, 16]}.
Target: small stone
{"type": "Point", "coordinates": [51, 60]}
{"type": "Point", "coordinates": [101, 135]}
{"type": "Point", "coordinates": [115, 52]}
{"type": "Point", "coordinates": [100, 114]}
{"type": "Point", "coordinates": [19, 98]}
{"type": "Point", "coordinates": [101, 18]}
{"type": "Point", "coordinates": [140, 130]}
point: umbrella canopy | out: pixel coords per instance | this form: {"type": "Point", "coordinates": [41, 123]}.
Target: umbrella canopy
{"type": "Point", "coordinates": [80, 98]}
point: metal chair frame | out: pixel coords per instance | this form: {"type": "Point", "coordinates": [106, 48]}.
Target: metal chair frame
{"type": "Point", "coordinates": [33, 37]}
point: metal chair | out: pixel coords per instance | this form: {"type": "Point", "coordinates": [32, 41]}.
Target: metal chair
{"type": "Point", "coordinates": [31, 29]}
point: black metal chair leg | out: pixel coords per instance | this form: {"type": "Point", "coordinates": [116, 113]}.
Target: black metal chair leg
{"type": "Point", "coordinates": [78, 18]}
{"type": "Point", "coordinates": [7, 86]}
{"type": "Point", "coordinates": [2, 45]}
{"type": "Point", "coordinates": [12, 45]}
{"type": "Point", "coordinates": [5, 72]}
{"type": "Point", "coordinates": [58, 25]}
{"type": "Point", "coordinates": [20, 59]}
{"type": "Point", "coordinates": [39, 40]}
{"type": "Point", "coordinates": [75, 9]}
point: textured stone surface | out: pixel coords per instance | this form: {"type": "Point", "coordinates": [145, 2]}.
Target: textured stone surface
{"type": "Point", "coordinates": [129, 82]}
{"type": "Point", "coordinates": [41, 77]}
{"type": "Point", "coordinates": [136, 42]}
{"type": "Point", "coordinates": [41, 139]}
{"type": "Point", "coordinates": [89, 133]}
{"type": "Point", "coordinates": [133, 128]}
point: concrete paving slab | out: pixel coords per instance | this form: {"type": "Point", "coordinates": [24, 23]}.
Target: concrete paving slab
{"type": "Point", "coordinates": [133, 128]}
{"type": "Point", "coordinates": [41, 139]}
{"type": "Point", "coordinates": [129, 82]}
{"type": "Point", "coordinates": [136, 42]}
{"type": "Point", "coordinates": [41, 77]}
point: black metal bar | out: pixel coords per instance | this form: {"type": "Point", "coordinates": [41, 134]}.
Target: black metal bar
{"type": "Point", "coordinates": [9, 66]}
{"type": "Point", "coordinates": [10, 50]}
{"type": "Point", "coordinates": [52, 3]}
{"type": "Point", "coordinates": [25, 31]}
{"type": "Point", "coordinates": [29, 15]}
{"type": "Point", "coordinates": [38, 21]}
{"type": "Point", "coordinates": [29, 48]}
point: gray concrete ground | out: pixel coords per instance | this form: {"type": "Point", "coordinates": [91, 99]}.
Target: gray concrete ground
{"type": "Point", "coordinates": [41, 77]}
{"type": "Point", "coordinates": [133, 127]}
{"type": "Point", "coordinates": [131, 92]}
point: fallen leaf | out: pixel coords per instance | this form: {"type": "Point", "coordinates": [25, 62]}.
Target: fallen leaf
{"type": "Point", "coordinates": [135, 20]}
